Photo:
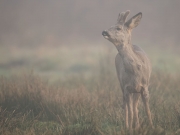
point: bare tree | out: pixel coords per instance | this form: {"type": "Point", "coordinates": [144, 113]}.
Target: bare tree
{"type": "Point", "coordinates": [133, 67]}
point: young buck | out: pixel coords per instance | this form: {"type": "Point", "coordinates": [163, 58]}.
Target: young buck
{"type": "Point", "coordinates": [133, 67]}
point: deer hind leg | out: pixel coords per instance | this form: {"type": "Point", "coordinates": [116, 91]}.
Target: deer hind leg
{"type": "Point", "coordinates": [135, 109]}
{"type": "Point", "coordinates": [145, 99]}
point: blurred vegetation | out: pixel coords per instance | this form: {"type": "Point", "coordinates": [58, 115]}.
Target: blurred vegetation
{"type": "Point", "coordinates": [73, 91]}
{"type": "Point", "coordinates": [62, 61]}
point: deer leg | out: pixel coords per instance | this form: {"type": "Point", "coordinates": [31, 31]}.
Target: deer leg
{"type": "Point", "coordinates": [130, 109]}
{"type": "Point", "coordinates": [145, 99]}
{"type": "Point", "coordinates": [135, 109]}
{"type": "Point", "coordinates": [126, 112]}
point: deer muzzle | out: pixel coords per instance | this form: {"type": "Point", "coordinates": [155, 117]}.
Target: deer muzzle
{"type": "Point", "coordinates": [105, 34]}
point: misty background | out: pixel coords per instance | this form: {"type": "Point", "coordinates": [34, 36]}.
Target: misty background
{"type": "Point", "coordinates": [67, 22]}
{"type": "Point", "coordinates": [64, 36]}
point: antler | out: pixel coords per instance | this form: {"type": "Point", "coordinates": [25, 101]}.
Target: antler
{"type": "Point", "coordinates": [122, 17]}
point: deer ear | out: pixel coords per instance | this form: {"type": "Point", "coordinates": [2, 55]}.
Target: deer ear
{"type": "Point", "coordinates": [120, 17]}
{"type": "Point", "coordinates": [134, 21]}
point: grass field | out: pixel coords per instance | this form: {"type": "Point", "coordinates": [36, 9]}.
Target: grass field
{"type": "Point", "coordinates": [75, 91]}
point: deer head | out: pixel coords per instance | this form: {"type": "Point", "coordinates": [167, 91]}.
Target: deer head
{"type": "Point", "coordinates": [120, 34]}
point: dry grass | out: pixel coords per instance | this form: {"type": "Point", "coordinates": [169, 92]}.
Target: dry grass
{"type": "Point", "coordinates": [86, 100]}
{"type": "Point", "coordinates": [78, 106]}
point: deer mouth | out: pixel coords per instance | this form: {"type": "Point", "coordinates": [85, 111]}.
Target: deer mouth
{"type": "Point", "coordinates": [105, 34]}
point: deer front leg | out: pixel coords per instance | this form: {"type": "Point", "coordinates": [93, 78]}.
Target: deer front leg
{"type": "Point", "coordinates": [135, 109]}
{"type": "Point", "coordinates": [125, 107]}
{"type": "Point", "coordinates": [129, 109]}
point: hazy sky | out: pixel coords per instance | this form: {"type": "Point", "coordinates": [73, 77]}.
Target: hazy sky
{"type": "Point", "coordinates": [68, 22]}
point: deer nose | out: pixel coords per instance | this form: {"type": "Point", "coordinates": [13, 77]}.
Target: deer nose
{"type": "Point", "coordinates": [105, 33]}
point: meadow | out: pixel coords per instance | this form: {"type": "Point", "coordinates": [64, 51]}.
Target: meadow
{"type": "Point", "coordinates": [75, 91]}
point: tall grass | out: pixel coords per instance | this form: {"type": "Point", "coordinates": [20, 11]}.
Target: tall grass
{"type": "Point", "coordinates": [82, 106]}
{"type": "Point", "coordinates": [88, 102]}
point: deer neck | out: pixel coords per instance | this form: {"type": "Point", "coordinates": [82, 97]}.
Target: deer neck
{"type": "Point", "coordinates": [129, 57]}
{"type": "Point", "coordinates": [126, 49]}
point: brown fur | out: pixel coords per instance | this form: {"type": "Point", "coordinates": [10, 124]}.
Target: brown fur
{"type": "Point", "coordinates": [133, 68]}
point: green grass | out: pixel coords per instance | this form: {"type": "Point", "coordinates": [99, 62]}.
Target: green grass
{"type": "Point", "coordinates": [60, 62]}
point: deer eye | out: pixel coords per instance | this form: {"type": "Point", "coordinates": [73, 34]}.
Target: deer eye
{"type": "Point", "coordinates": [118, 28]}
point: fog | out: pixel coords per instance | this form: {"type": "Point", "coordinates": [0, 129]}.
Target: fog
{"type": "Point", "coordinates": [72, 22]}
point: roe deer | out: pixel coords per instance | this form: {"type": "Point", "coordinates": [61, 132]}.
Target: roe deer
{"type": "Point", "coordinates": [132, 66]}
